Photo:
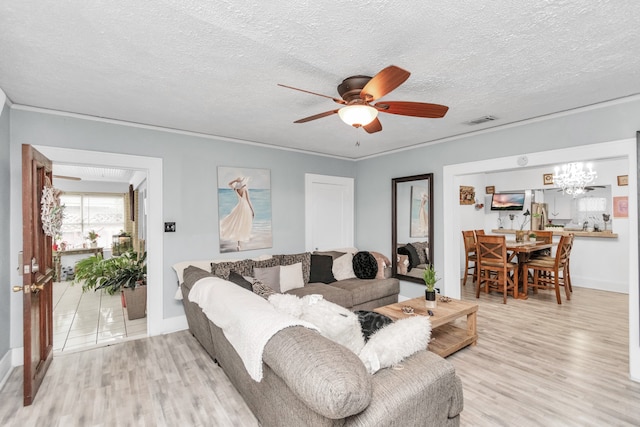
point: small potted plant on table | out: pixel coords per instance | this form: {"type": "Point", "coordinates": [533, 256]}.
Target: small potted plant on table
{"type": "Point", "coordinates": [430, 280]}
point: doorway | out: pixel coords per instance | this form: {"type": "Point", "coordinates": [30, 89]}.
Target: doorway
{"type": "Point", "coordinates": [152, 167]}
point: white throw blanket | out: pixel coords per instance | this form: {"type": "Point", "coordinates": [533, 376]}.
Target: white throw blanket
{"type": "Point", "coordinates": [247, 320]}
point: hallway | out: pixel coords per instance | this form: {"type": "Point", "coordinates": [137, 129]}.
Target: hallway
{"type": "Point", "coordinates": [90, 319]}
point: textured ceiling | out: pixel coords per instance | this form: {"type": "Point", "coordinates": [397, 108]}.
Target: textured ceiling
{"type": "Point", "coordinates": [213, 66]}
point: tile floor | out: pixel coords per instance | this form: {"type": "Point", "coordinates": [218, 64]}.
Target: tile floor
{"type": "Point", "coordinates": [90, 319]}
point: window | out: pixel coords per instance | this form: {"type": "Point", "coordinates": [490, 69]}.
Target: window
{"type": "Point", "coordinates": [103, 213]}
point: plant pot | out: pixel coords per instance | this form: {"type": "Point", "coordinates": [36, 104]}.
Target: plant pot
{"type": "Point", "coordinates": [136, 300]}
{"type": "Point", "coordinates": [520, 235]}
{"type": "Point", "coordinates": [94, 244]}
{"type": "Point", "coordinates": [430, 298]}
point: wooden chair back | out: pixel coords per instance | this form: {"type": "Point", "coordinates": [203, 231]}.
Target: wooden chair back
{"type": "Point", "coordinates": [564, 251]}
{"type": "Point", "coordinates": [491, 249]}
{"type": "Point", "coordinates": [479, 232]}
{"type": "Point", "coordinates": [544, 236]}
{"type": "Point", "coordinates": [495, 266]}
{"type": "Point", "coordinates": [469, 238]}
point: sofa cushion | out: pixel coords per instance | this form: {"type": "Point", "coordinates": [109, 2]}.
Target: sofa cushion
{"type": "Point", "coordinates": [363, 291]}
{"type": "Point", "coordinates": [321, 269]}
{"type": "Point", "coordinates": [244, 267]}
{"type": "Point", "coordinates": [330, 379]}
{"type": "Point", "coordinates": [330, 293]}
{"type": "Point", "coordinates": [343, 267]}
{"type": "Point", "coordinates": [304, 258]}
{"type": "Point", "coordinates": [291, 277]}
{"type": "Point", "coordinates": [270, 276]}
{"type": "Point", "coordinates": [365, 265]}
{"type": "Point", "coordinates": [192, 274]}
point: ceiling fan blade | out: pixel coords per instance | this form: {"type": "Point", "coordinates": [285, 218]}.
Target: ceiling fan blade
{"type": "Point", "coordinates": [384, 82]}
{"type": "Point", "coordinates": [317, 116]}
{"type": "Point", "coordinates": [72, 178]}
{"type": "Point", "coordinates": [339, 101]}
{"type": "Point", "coordinates": [373, 127]}
{"type": "Point", "coordinates": [414, 109]}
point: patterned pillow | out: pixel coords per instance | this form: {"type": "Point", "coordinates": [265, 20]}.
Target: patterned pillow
{"type": "Point", "coordinates": [243, 267]}
{"type": "Point", "coordinates": [304, 258]}
{"type": "Point", "coordinates": [421, 249]}
{"type": "Point", "coordinates": [365, 265]}
{"type": "Point", "coordinates": [263, 290]}
{"type": "Point", "coordinates": [370, 322]}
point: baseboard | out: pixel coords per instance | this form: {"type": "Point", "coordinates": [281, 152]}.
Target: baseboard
{"type": "Point", "coordinates": [601, 285]}
{"type": "Point", "coordinates": [174, 324]}
{"type": "Point", "coordinates": [5, 367]}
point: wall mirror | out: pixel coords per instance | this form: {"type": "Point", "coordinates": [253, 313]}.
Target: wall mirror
{"type": "Point", "coordinates": [411, 226]}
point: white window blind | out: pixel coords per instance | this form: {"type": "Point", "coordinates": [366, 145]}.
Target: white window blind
{"type": "Point", "coordinates": [102, 213]}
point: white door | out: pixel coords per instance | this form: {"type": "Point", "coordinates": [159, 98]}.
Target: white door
{"type": "Point", "coordinates": [329, 212]}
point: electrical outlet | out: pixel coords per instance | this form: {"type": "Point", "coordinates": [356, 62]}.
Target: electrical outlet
{"type": "Point", "coordinates": [169, 227]}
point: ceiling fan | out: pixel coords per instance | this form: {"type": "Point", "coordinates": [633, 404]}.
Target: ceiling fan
{"type": "Point", "coordinates": [358, 92]}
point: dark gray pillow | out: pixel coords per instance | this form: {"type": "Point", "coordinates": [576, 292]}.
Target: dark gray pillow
{"type": "Point", "coordinates": [410, 251]}
{"type": "Point", "coordinates": [321, 269]}
{"type": "Point", "coordinates": [365, 265]}
{"type": "Point", "coordinates": [240, 281]}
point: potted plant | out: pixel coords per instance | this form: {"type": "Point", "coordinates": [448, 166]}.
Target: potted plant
{"type": "Point", "coordinates": [430, 280]}
{"type": "Point", "coordinates": [532, 237]}
{"type": "Point", "coordinates": [126, 273]}
{"type": "Point", "coordinates": [93, 237]}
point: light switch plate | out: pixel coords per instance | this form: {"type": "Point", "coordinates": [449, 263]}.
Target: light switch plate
{"type": "Point", "coordinates": [169, 227]}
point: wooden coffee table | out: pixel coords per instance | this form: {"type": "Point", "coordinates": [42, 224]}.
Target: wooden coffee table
{"type": "Point", "coordinates": [446, 338]}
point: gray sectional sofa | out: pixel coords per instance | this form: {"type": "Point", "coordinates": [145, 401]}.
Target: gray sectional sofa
{"type": "Point", "coordinates": [309, 380]}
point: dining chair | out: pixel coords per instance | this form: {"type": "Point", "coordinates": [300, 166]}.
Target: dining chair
{"type": "Point", "coordinates": [547, 237]}
{"type": "Point", "coordinates": [469, 239]}
{"type": "Point", "coordinates": [479, 232]}
{"type": "Point", "coordinates": [496, 272]}
{"type": "Point", "coordinates": [547, 271]}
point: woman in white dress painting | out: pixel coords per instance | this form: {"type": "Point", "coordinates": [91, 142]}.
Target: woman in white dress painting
{"type": "Point", "coordinates": [424, 224]}
{"type": "Point", "coordinates": [237, 225]}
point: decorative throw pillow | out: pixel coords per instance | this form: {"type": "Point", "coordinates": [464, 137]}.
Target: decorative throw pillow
{"type": "Point", "coordinates": [261, 289]}
{"type": "Point", "coordinates": [304, 258]}
{"type": "Point", "coordinates": [382, 262]}
{"type": "Point", "coordinates": [395, 342]}
{"type": "Point", "coordinates": [365, 265]}
{"type": "Point", "coordinates": [270, 276]}
{"type": "Point", "coordinates": [240, 281]}
{"type": "Point", "coordinates": [411, 252]}
{"type": "Point", "coordinates": [291, 277]}
{"type": "Point", "coordinates": [332, 254]}
{"type": "Point", "coordinates": [244, 267]}
{"type": "Point", "coordinates": [321, 269]}
{"type": "Point", "coordinates": [370, 322]}
{"type": "Point", "coordinates": [343, 267]}
{"type": "Point", "coordinates": [421, 250]}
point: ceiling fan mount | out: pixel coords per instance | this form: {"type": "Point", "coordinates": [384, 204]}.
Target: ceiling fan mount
{"type": "Point", "coordinates": [359, 92]}
{"type": "Point", "coordinates": [351, 87]}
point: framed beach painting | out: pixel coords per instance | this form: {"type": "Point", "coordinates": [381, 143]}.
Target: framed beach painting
{"type": "Point", "coordinates": [244, 209]}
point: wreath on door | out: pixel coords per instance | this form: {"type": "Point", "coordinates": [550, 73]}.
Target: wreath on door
{"type": "Point", "coordinates": [52, 212]}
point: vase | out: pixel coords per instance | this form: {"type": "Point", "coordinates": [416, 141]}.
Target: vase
{"type": "Point", "coordinates": [94, 244]}
{"type": "Point", "coordinates": [430, 298]}
{"type": "Point", "coordinates": [136, 300]}
{"type": "Point", "coordinates": [520, 235]}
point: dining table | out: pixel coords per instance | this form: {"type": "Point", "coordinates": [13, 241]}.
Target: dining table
{"type": "Point", "coordinates": [523, 251]}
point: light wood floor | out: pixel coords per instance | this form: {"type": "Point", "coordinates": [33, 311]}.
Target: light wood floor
{"type": "Point", "coordinates": [536, 364]}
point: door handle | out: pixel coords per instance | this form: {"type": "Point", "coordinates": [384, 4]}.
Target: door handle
{"type": "Point", "coordinates": [29, 288]}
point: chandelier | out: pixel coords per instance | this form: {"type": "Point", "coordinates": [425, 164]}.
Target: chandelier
{"type": "Point", "coordinates": [573, 178]}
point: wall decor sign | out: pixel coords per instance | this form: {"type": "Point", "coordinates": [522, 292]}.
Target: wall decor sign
{"type": "Point", "coordinates": [467, 195]}
{"type": "Point", "coordinates": [490, 189]}
{"type": "Point", "coordinates": [547, 179]}
{"type": "Point", "coordinates": [621, 207]}
{"type": "Point", "coordinates": [244, 209]}
{"type": "Point", "coordinates": [419, 211]}
{"type": "Point", "coordinates": [623, 180]}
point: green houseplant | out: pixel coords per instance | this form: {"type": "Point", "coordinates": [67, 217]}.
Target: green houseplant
{"type": "Point", "coordinates": [126, 273]}
{"type": "Point", "coordinates": [430, 279]}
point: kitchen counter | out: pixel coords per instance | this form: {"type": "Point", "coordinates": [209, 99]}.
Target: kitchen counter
{"type": "Point", "coordinates": [599, 234]}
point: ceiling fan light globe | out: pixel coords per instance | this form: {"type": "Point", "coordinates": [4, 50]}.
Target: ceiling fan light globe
{"type": "Point", "coordinates": [358, 115]}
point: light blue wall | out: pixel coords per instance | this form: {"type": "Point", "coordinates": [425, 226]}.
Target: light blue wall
{"type": "Point", "coordinates": [373, 184]}
{"type": "Point", "coordinates": [5, 259]}
{"type": "Point", "coordinates": [189, 181]}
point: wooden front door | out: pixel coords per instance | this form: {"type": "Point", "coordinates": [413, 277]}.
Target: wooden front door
{"type": "Point", "coordinates": [37, 270]}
